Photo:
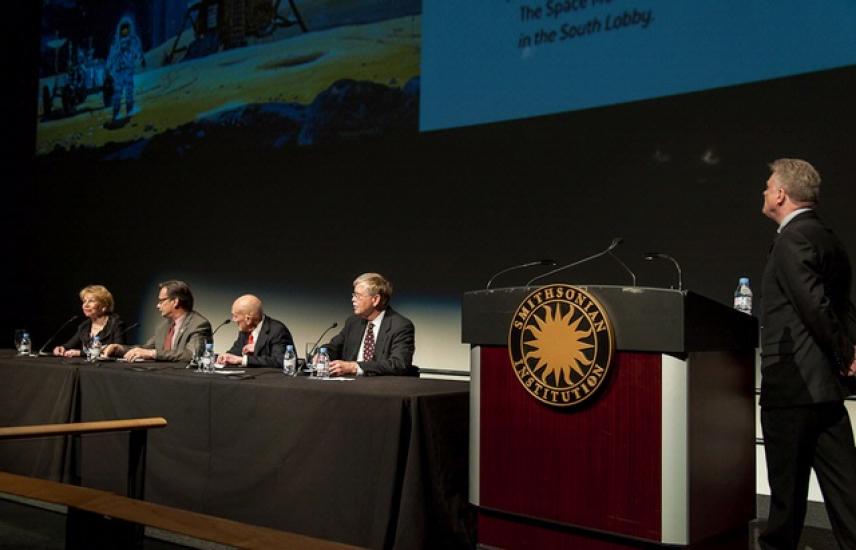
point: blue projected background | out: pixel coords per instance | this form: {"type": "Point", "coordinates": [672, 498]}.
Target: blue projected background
{"type": "Point", "coordinates": [486, 61]}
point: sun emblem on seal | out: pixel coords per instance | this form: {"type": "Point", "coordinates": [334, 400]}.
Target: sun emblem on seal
{"type": "Point", "coordinates": [561, 345]}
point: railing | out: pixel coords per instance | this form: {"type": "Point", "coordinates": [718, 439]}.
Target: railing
{"type": "Point", "coordinates": [138, 432]}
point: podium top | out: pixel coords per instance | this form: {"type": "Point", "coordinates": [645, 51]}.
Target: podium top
{"type": "Point", "coordinates": [643, 319]}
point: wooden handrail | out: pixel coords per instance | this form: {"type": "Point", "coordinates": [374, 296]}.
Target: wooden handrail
{"type": "Point", "coordinates": [174, 520]}
{"type": "Point", "coordinates": [73, 428]}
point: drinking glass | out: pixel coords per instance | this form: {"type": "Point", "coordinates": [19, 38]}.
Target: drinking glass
{"type": "Point", "coordinates": [212, 365]}
{"type": "Point", "coordinates": [310, 355]}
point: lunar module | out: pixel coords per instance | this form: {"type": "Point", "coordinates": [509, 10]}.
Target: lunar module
{"type": "Point", "coordinates": [226, 24]}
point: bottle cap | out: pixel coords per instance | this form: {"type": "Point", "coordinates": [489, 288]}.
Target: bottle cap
{"type": "Point", "coordinates": [289, 347]}
{"type": "Point", "coordinates": [209, 346]}
{"type": "Point", "coordinates": [744, 280]}
{"type": "Point", "coordinates": [322, 350]}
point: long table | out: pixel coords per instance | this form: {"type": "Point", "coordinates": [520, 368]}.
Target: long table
{"type": "Point", "coordinates": [376, 462]}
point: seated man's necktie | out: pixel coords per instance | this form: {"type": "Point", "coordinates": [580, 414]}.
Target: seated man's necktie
{"type": "Point", "coordinates": [368, 346]}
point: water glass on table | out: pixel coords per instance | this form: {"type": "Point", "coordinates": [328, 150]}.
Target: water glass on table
{"type": "Point", "coordinates": [309, 367]}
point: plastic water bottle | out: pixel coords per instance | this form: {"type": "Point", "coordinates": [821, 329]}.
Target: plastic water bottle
{"type": "Point", "coordinates": [26, 345]}
{"type": "Point", "coordinates": [322, 365]}
{"type": "Point", "coordinates": [207, 360]}
{"type": "Point", "coordinates": [743, 296]}
{"type": "Point", "coordinates": [94, 351]}
{"type": "Point", "coordinates": [289, 361]}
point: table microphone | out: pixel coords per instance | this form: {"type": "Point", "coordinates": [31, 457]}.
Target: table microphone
{"type": "Point", "coordinates": [660, 256]}
{"type": "Point", "coordinates": [224, 323]}
{"type": "Point", "coordinates": [213, 332]}
{"type": "Point", "coordinates": [130, 328]}
{"type": "Point", "coordinates": [42, 351]}
{"type": "Point", "coordinates": [516, 267]}
{"type": "Point", "coordinates": [311, 352]}
{"type": "Point", "coordinates": [615, 242]}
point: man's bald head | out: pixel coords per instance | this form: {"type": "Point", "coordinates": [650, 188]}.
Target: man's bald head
{"type": "Point", "coordinates": [247, 312]}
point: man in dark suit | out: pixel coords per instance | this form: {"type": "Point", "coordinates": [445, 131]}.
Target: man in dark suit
{"type": "Point", "coordinates": [261, 340]}
{"type": "Point", "coordinates": [376, 340]}
{"type": "Point", "coordinates": [808, 333]}
{"type": "Point", "coordinates": [182, 334]}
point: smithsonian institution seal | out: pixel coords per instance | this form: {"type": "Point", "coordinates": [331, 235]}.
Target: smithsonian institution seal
{"type": "Point", "coordinates": [561, 344]}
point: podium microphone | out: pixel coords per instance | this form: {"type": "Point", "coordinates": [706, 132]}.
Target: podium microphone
{"type": "Point", "coordinates": [615, 242]}
{"type": "Point", "coordinates": [624, 265]}
{"type": "Point", "coordinates": [314, 347]}
{"type": "Point", "coordinates": [660, 256]}
{"type": "Point", "coordinates": [516, 267]}
{"type": "Point", "coordinates": [42, 351]}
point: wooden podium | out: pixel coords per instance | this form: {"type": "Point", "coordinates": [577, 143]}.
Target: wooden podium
{"type": "Point", "coordinates": [663, 455]}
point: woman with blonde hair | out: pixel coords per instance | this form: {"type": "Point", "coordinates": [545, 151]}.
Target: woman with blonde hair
{"type": "Point", "coordinates": [97, 306]}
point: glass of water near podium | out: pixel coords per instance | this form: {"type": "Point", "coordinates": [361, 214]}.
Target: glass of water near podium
{"type": "Point", "coordinates": [743, 296]}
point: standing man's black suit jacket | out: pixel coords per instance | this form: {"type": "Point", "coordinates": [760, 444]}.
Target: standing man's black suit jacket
{"type": "Point", "coordinates": [394, 344]}
{"type": "Point", "coordinates": [274, 336]}
{"type": "Point", "coordinates": [808, 323]}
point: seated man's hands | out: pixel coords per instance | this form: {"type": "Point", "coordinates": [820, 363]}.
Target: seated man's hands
{"type": "Point", "coordinates": [229, 359]}
{"type": "Point", "coordinates": [135, 354]}
{"type": "Point", "coordinates": [343, 368]}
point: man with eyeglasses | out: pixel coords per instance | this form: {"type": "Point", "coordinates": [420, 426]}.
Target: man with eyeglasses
{"type": "Point", "coordinates": [376, 340]}
{"type": "Point", "coordinates": [182, 334]}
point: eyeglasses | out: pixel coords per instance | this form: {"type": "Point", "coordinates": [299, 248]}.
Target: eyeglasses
{"type": "Point", "coordinates": [356, 295]}
{"type": "Point", "coordinates": [162, 300]}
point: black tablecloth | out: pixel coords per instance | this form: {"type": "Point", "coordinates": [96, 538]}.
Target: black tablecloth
{"type": "Point", "coordinates": [377, 462]}
{"type": "Point", "coordinates": [36, 391]}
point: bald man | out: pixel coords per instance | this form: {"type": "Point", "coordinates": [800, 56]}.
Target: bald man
{"type": "Point", "coordinates": [261, 340]}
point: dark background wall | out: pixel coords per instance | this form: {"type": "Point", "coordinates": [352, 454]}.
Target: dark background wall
{"type": "Point", "coordinates": [442, 210]}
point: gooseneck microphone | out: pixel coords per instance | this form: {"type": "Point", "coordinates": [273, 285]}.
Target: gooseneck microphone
{"type": "Point", "coordinates": [311, 351]}
{"type": "Point", "coordinates": [221, 325]}
{"type": "Point", "coordinates": [624, 265]}
{"type": "Point", "coordinates": [516, 267]}
{"type": "Point", "coordinates": [615, 242]}
{"type": "Point", "coordinates": [129, 329]}
{"type": "Point", "coordinates": [660, 256]}
{"type": "Point", "coordinates": [42, 351]}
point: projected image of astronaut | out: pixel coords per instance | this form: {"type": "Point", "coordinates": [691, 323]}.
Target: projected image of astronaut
{"type": "Point", "coordinates": [125, 52]}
